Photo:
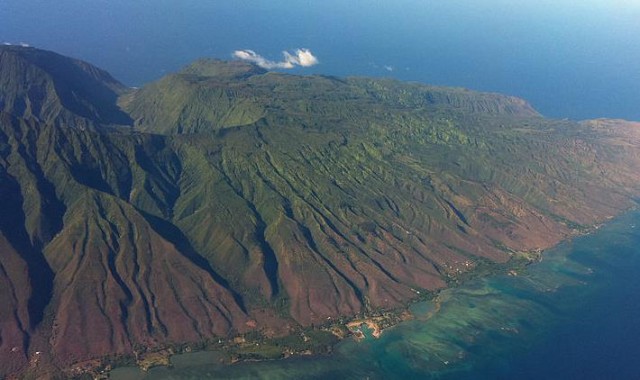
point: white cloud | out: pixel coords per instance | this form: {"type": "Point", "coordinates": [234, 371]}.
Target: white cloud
{"type": "Point", "coordinates": [300, 57]}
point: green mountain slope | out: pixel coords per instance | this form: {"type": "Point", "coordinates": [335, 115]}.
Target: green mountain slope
{"type": "Point", "coordinates": [251, 202]}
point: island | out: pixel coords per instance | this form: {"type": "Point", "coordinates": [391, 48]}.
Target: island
{"type": "Point", "coordinates": [264, 215]}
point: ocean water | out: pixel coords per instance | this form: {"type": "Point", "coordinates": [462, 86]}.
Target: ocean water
{"type": "Point", "coordinates": [574, 59]}
{"type": "Point", "coordinates": [575, 315]}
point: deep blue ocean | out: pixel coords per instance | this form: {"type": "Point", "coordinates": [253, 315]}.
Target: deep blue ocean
{"type": "Point", "coordinates": [573, 59]}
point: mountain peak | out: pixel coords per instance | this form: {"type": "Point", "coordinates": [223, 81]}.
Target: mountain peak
{"type": "Point", "coordinates": [56, 89]}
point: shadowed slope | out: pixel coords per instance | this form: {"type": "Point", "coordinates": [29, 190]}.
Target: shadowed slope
{"type": "Point", "coordinates": [14, 315]}
{"type": "Point", "coordinates": [57, 90]}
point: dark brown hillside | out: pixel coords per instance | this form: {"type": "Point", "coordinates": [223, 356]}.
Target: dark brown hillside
{"type": "Point", "coordinates": [120, 279]}
{"type": "Point", "coordinates": [14, 315]}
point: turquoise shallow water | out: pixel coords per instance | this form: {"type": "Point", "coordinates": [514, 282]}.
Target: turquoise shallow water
{"type": "Point", "coordinates": [575, 315]}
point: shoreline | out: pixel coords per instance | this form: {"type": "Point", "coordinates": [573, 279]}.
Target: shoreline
{"type": "Point", "coordinates": [254, 347]}
{"type": "Point", "coordinates": [239, 349]}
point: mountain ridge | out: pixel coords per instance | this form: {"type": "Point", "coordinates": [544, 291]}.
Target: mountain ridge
{"type": "Point", "coordinates": [56, 89]}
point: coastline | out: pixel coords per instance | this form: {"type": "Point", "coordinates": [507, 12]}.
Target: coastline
{"type": "Point", "coordinates": [310, 341]}
{"type": "Point", "coordinates": [253, 347]}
